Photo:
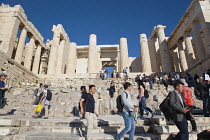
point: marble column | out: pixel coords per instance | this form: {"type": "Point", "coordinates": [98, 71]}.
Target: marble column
{"type": "Point", "coordinates": [29, 53]}
{"type": "Point", "coordinates": [152, 52]}
{"type": "Point", "coordinates": [164, 54]}
{"type": "Point", "coordinates": [21, 45]}
{"type": "Point", "coordinates": [205, 24]}
{"type": "Point", "coordinates": [157, 54]}
{"type": "Point", "coordinates": [92, 62]}
{"type": "Point", "coordinates": [182, 56]}
{"type": "Point", "coordinates": [37, 59]}
{"type": "Point", "coordinates": [60, 57]}
{"type": "Point", "coordinates": [123, 54]}
{"type": "Point", "coordinates": [176, 60]}
{"type": "Point", "coordinates": [189, 50]}
{"type": "Point", "coordinates": [198, 41]}
{"type": "Point", "coordinates": [145, 55]}
{"type": "Point", "coordinates": [53, 54]}
{"type": "Point", "coordinates": [72, 60]}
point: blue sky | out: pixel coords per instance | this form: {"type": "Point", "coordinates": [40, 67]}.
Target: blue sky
{"type": "Point", "coordinates": [108, 19]}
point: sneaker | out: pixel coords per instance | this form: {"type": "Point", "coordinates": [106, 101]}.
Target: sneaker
{"type": "Point", "coordinates": [153, 114]}
{"type": "Point", "coordinates": [34, 116]}
{"type": "Point", "coordinates": [45, 118]}
{"type": "Point", "coordinates": [193, 132]}
{"type": "Point", "coordinates": [142, 118]}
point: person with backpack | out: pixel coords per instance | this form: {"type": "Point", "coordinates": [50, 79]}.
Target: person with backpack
{"type": "Point", "coordinates": [187, 96]}
{"type": "Point", "coordinates": [45, 100]}
{"type": "Point", "coordinates": [178, 105]}
{"type": "Point", "coordinates": [127, 112]}
{"type": "Point", "coordinates": [38, 93]}
{"type": "Point", "coordinates": [143, 94]}
{"type": "Point", "coordinates": [89, 109]}
{"type": "Point", "coordinates": [165, 80]}
{"type": "Point", "coordinates": [2, 89]}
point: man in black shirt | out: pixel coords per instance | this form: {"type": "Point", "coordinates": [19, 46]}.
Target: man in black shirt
{"type": "Point", "coordinates": [89, 110]}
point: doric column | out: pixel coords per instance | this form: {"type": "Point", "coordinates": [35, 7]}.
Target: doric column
{"type": "Point", "coordinates": [198, 41]}
{"type": "Point", "coordinates": [205, 24]}
{"type": "Point", "coordinates": [37, 59]}
{"type": "Point", "coordinates": [21, 45]}
{"type": "Point", "coordinates": [72, 60]}
{"type": "Point", "coordinates": [189, 50]}
{"type": "Point", "coordinates": [165, 59]}
{"type": "Point", "coordinates": [29, 53]}
{"type": "Point", "coordinates": [182, 56]}
{"type": "Point", "coordinates": [123, 54]}
{"type": "Point", "coordinates": [176, 60]}
{"type": "Point", "coordinates": [145, 55]}
{"type": "Point", "coordinates": [92, 54]}
{"type": "Point", "coordinates": [53, 54]}
{"type": "Point", "coordinates": [152, 52]}
{"type": "Point", "coordinates": [157, 54]}
{"type": "Point", "coordinates": [60, 57]}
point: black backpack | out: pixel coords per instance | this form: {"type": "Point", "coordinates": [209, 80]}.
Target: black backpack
{"type": "Point", "coordinates": [165, 107]}
{"type": "Point", "coordinates": [146, 93]}
{"type": "Point", "coordinates": [36, 91]}
{"type": "Point", "coordinates": [119, 103]}
{"type": "Point", "coordinates": [49, 95]}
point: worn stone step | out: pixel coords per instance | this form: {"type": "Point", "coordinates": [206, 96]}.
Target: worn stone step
{"type": "Point", "coordinates": [173, 129]}
{"type": "Point", "coordinates": [143, 136]}
{"type": "Point", "coordinates": [9, 122]}
{"type": "Point", "coordinates": [47, 136]}
{"type": "Point", "coordinates": [170, 136]}
{"type": "Point", "coordinates": [160, 120]}
{"type": "Point", "coordinates": [61, 136]}
{"type": "Point", "coordinates": [102, 129]}
{"type": "Point", "coordinates": [4, 131]}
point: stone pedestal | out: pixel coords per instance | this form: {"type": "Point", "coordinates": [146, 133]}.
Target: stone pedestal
{"type": "Point", "coordinates": [182, 56]}
{"type": "Point", "coordinates": [21, 45]}
{"type": "Point", "coordinates": [199, 46]}
{"type": "Point", "coordinates": [164, 54]}
{"type": "Point", "coordinates": [145, 55]}
{"type": "Point", "coordinates": [72, 59]}
{"type": "Point", "coordinates": [53, 54]}
{"type": "Point", "coordinates": [92, 62]}
{"type": "Point", "coordinates": [29, 53]}
{"type": "Point", "coordinates": [123, 54]}
{"type": "Point", "coordinates": [37, 60]}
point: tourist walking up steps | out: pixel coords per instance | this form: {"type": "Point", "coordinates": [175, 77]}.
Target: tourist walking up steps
{"type": "Point", "coordinates": [45, 101]}
{"type": "Point", "coordinates": [177, 103]}
{"type": "Point", "coordinates": [2, 89]}
{"type": "Point", "coordinates": [142, 102]}
{"type": "Point", "coordinates": [90, 113]}
{"type": "Point", "coordinates": [187, 96]}
{"type": "Point", "coordinates": [128, 113]}
{"type": "Point", "coordinates": [165, 80]}
{"type": "Point", "coordinates": [38, 93]}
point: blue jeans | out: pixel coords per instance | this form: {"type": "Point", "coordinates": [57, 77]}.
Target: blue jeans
{"type": "Point", "coordinates": [1, 99]}
{"type": "Point", "coordinates": [183, 130]}
{"type": "Point", "coordinates": [142, 106]}
{"type": "Point", "coordinates": [206, 101]}
{"type": "Point", "coordinates": [129, 125]}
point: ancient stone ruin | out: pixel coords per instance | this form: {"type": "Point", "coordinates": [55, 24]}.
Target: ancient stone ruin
{"type": "Point", "coordinates": [65, 66]}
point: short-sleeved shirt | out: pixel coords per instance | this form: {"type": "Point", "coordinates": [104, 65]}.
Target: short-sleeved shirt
{"type": "Point", "coordinates": [2, 85]}
{"type": "Point", "coordinates": [90, 101]}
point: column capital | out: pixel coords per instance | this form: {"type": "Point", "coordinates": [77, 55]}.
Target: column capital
{"type": "Point", "coordinates": [160, 27]}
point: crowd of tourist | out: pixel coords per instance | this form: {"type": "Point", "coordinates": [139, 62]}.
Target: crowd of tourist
{"type": "Point", "coordinates": [180, 100]}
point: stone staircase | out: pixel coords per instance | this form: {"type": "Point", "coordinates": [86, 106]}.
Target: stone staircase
{"type": "Point", "coordinates": [26, 128]}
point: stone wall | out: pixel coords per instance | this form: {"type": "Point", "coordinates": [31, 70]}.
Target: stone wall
{"type": "Point", "coordinates": [17, 74]}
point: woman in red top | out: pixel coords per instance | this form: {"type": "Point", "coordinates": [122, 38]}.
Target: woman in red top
{"type": "Point", "coordinates": [187, 96]}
